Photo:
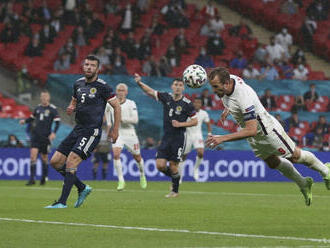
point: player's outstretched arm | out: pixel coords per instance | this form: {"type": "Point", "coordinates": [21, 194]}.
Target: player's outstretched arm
{"type": "Point", "coordinates": [149, 91]}
{"type": "Point", "coordinates": [249, 130]}
{"type": "Point", "coordinates": [117, 116]}
{"type": "Point", "coordinates": [224, 115]}
{"type": "Point", "coordinates": [190, 123]}
{"type": "Point", "coordinates": [72, 106]}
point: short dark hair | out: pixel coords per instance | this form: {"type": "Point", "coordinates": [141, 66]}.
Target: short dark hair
{"type": "Point", "coordinates": [221, 72]}
{"type": "Point", "coordinates": [177, 79]}
{"type": "Point", "coordinates": [93, 58]}
{"type": "Point", "coordinates": [44, 91]}
{"type": "Point", "coordinates": [199, 99]}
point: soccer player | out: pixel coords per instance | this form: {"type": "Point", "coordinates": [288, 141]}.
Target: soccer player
{"type": "Point", "coordinates": [127, 135]}
{"type": "Point", "coordinates": [195, 138]}
{"type": "Point", "coordinates": [264, 133]}
{"type": "Point", "coordinates": [42, 135]}
{"type": "Point", "coordinates": [176, 110]}
{"type": "Point", "coordinates": [90, 95]}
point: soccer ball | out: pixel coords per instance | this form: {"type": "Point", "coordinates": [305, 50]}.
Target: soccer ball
{"type": "Point", "coordinates": [194, 76]}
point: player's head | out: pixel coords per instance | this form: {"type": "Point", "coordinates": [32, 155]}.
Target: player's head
{"type": "Point", "coordinates": [121, 91]}
{"type": "Point", "coordinates": [44, 97]}
{"type": "Point", "coordinates": [91, 66]}
{"type": "Point", "coordinates": [219, 79]}
{"type": "Point", "coordinates": [177, 86]}
{"type": "Point", "coordinates": [198, 103]}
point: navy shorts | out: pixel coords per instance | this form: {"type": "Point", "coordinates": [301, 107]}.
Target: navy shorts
{"type": "Point", "coordinates": [41, 143]}
{"type": "Point", "coordinates": [172, 147]}
{"type": "Point", "coordinates": [81, 141]}
{"type": "Point", "coordinates": [100, 156]}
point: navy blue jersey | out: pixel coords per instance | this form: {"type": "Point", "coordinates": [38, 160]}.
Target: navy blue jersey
{"type": "Point", "coordinates": [43, 119]}
{"type": "Point", "coordinates": [91, 101]}
{"type": "Point", "coordinates": [175, 110]}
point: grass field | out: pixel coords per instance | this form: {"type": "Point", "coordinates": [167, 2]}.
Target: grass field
{"type": "Point", "coordinates": [205, 215]}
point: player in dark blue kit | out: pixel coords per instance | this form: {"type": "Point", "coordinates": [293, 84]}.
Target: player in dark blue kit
{"type": "Point", "coordinates": [42, 135]}
{"type": "Point", "coordinates": [90, 95]}
{"type": "Point", "coordinates": [176, 110]}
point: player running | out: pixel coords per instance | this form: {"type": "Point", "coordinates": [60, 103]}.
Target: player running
{"type": "Point", "coordinates": [90, 96]}
{"type": "Point", "coordinates": [127, 135]}
{"type": "Point", "coordinates": [42, 135]}
{"type": "Point", "coordinates": [264, 133]}
{"type": "Point", "coordinates": [176, 110]}
{"type": "Point", "coordinates": [195, 138]}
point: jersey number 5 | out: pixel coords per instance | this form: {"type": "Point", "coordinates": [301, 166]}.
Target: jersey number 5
{"type": "Point", "coordinates": [83, 95]}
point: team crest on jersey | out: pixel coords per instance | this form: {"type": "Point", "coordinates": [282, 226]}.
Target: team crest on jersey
{"type": "Point", "coordinates": [178, 110]}
{"type": "Point", "coordinates": [92, 92]}
{"type": "Point", "coordinates": [47, 112]}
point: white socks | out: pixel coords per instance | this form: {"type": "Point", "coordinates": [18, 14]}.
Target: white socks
{"type": "Point", "coordinates": [289, 171]}
{"type": "Point", "coordinates": [118, 166]}
{"type": "Point", "coordinates": [141, 167]}
{"type": "Point", "coordinates": [198, 162]}
{"type": "Point", "coordinates": [309, 159]}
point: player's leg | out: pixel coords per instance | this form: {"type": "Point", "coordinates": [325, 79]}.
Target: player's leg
{"type": "Point", "coordinates": [33, 165]}
{"type": "Point", "coordinates": [140, 162]}
{"type": "Point", "coordinates": [307, 158]}
{"type": "Point", "coordinates": [118, 166]}
{"type": "Point", "coordinates": [44, 160]}
{"type": "Point", "coordinates": [105, 161]}
{"type": "Point", "coordinates": [174, 168]}
{"type": "Point", "coordinates": [286, 168]}
{"type": "Point", "coordinates": [199, 160]}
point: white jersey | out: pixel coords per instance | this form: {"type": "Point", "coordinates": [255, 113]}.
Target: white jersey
{"type": "Point", "coordinates": [202, 116]}
{"type": "Point", "coordinates": [129, 117]}
{"type": "Point", "coordinates": [244, 104]}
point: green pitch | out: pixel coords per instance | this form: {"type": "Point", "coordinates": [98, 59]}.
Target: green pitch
{"type": "Point", "coordinates": [205, 215]}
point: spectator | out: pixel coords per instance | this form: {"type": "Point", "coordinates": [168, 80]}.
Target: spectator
{"type": "Point", "coordinates": [118, 67]}
{"type": "Point", "coordinates": [289, 7]}
{"type": "Point", "coordinates": [298, 57]}
{"type": "Point", "coordinates": [269, 72]}
{"type": "Point", "coordinates": [117, 55]}
{"type": "Point", "coordinates": [285, 40]}
{"type": "Point", "coordinates": [279, 119]}
{"type": "Point", "coordinates": [206, 99]}
{"type": "Point", "coordinates": [90, 30]}
{"type": "Point", "coordinates": [70, 49]}
{"type": "Point", "coordinates": [286, 70]}
{"type": "Point", "coordinates": [47, 34]}
{"type": "Point", "coordinates": [69, 11]}
{"type": "Point", "coordinates": [111, 39]}
{"type": "Point", "coordinates": [34, 48]}
{"type": "Point", "coordinates": [292, 121]}
{"type": "Point", "coordinates": [129, 46]}
{"type": "Point", "coordinates": [164, 66]}
{"type": "Point", "coordinates": [268, 101]}
{"type": "Point", "coordinates": [239, 62]}
{"type": "Point", "coordinates": [307, 30]}
{"type": "Point", "coordinates": [111, 7]}
{"type": "Point", "coordinates": [322, 123]}
{"type": "Point", "coordinates": [260, 54]}
{"type": "Point", "coordinates": [63, 63]}
{"type": "Point", "coordinates": [249, 45]}
{"type": "Point", "coordinates": [104, 59]}
{"type": "Point", "coordinates": [250, 72]}
{"type": "Point", "coordinates": [144, 49]}
{"type": "Point", "coordinates": [204, 59]}
{"type": "Point", "coordinates": [217, 24]}
{"type": "Point", "coordinates": [209, 10]}
{"type": "Point", "coordinates": [97, 24]}
{"type": "Point", "coordinates": [300, 73]}
{"type": "Point", "coordinates": [23, 80]}
{"type": "Point", "coordinates": [274, 51]}
{"type": "Point", "coordinates": [174, 15]}
{"type": "Point", "coordinates": [181, 43]}
{"type": "Point", "coordinates": [13, 141]}
{"type": "Point", "coordinates": [240, 30]}
{"type": "Point", "coordinates": [9, 34]}
{"type": "Point", "coordinates": [173, 56]}
{"type": "Point", "coordinates": [318, 9]}
{"type": "Point", "coordinates": [325, 147]}
{"type": "Point", "coordinates": [127, 25]}
{"type": "Point", "coordinates": [44, 12]}
{"type": "Point", "coordinates": [318, 138]}
{"type": "Point", "coordinates": [156, 27]}
{"type": "Point", "coordinates": [79, 36]}
{"type": "Point", "coordinates": [149, 143]}
{"type": "Point", "coordinates": [143, 5]}
{"type": "Point", "coordinates": [206, 29]}
{"type": "Point", "coordinates": [215, 45]}
{"type": "Point", "coordinates": [299, 104]}
{"type": "Point", "coordinates": [150, 67]}
{"type": "Point", "coordinates": [311, 95]}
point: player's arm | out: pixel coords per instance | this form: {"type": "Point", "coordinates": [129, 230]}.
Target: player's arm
{"type": "Point", "coordinates": [149, 91]}
{"type": "Point", "coordinates": [209, 128]}
{"type": "Point", "coordinates": [28, 120]}
{"type": "Point", "coordinates": [192, 122]}
{"type": "Point", "coordinates": [249, 130]}
{"type": "Point", "coordinates": [132, 116]}
{"type": "Point", "coordinates": [117, 117]}
{"type": "Point", "coordinates": [57, 122]}
{"type": "Point", "coordinates": [108, 114]}
{"type": "Point", "coordinates": [72, 106]}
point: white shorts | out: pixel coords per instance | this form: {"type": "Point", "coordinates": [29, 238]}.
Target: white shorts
{"type": "Point", "coordinates": [131, 142]}
{"type": "Point", "coordinates": [273, 141]}
{"type": "Point", "coordinates": [193, 141]}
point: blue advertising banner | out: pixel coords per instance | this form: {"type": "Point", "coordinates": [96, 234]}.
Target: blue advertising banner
{"type": "Point", "coordinates": [238, 166]}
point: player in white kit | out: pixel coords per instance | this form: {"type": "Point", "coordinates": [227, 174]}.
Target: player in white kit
{"type": "Point", "coordinates": [264, 133]}
{"type": "Point", "coordinates": [127, 135]}
{"type": "Point", "coordinates": [195, 138]}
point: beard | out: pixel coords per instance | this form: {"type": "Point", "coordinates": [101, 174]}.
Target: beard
{"type": "Point", "coordinates": [90, 76]}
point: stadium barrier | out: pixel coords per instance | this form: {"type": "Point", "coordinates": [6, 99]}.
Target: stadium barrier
{"type": "Point", "coordinates": [238, 166]}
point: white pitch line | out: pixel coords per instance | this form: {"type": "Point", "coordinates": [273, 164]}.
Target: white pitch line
{"type": "Point", "coordinates": [183, 191]}
{"type": "Point", "coordinates": [153, 229]}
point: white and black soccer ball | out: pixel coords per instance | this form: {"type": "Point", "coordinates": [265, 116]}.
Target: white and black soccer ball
{"type": "Point", "coordinates": [194, 76]}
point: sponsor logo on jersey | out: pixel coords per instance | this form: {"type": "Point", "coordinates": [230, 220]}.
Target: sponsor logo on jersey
{"type": "Point", "coordinates": [249, 108]}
